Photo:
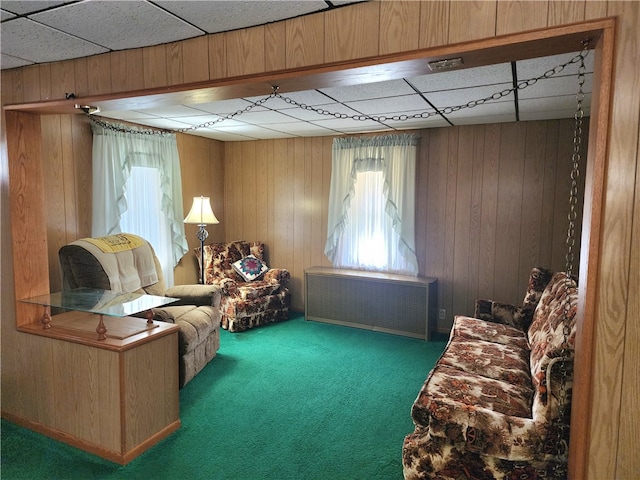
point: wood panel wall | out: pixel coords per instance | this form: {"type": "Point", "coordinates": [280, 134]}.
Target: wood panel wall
{"type": "Point", "coordinates": [492, 203]}
{"type": "Point", "coordinates": [388, 27]}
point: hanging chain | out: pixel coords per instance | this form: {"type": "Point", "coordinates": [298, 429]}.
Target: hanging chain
{"type": "Point", "coordinates": [579, 58]}
{"type": "Point", "coordinates": [563, 422]}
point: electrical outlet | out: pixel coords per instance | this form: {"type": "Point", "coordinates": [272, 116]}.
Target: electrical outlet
{"type": "Point", "coordinates": [443, 314]}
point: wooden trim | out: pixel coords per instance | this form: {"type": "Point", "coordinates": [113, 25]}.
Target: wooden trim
{"type": "Point", "coordinates": [590, 255]}
{"type": "Point", "coordinates": [121, 458]}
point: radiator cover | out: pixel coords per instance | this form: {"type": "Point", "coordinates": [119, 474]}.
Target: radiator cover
{"type": "Point", "coordinates": [390, 303]}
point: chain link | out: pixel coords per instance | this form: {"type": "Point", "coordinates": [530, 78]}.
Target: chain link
{"type": "Point", "coordinates": [383, 119]}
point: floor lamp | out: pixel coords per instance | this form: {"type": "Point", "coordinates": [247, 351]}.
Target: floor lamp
{"type": "Point", "coordinates": [201, 215]}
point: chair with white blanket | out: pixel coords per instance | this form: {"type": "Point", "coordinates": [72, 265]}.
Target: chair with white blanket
{"type": "Point", "coordinates": [127, 263]}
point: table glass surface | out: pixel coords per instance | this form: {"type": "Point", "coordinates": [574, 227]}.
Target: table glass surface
{"type": "Point", "coordinates": [103, 302]}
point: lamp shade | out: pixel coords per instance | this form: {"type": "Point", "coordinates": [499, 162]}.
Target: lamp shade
{"type": "Point", "coordinates": [201, 213]}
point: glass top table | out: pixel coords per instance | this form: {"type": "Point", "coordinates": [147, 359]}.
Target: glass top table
{"type": "Point", "coordinates": [100, 302]}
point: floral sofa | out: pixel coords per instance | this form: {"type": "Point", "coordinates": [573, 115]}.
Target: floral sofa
{"type": "Point", "coordinates": [252, 293]}
{"type": "Point", "coordinates": [497, 403]}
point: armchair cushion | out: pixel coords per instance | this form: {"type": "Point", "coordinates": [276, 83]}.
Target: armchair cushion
{"type": "Point", "coordinates": [250, 268]}
{"type": "Point", "coordinates": [200, 295]}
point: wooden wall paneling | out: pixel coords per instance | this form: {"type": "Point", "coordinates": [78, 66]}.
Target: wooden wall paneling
{"type": "Point", "coordinates": [489, 215]}
{"type": "Point", "coordinates": [509, 212]}
{"type": "Point", "coordinates": [245, 51]}
{"type": "Point", "coordinates": [352, 33]}
{"type": "Point", "coordinates": [275, 46]}
{"type": "Point", "coordinates": [249, 199]}
{"type": "Point", "coordinates": [436, 215]}
{"type": "Point", "coordinates": [45, 81]}
{"type": "Point", "coordinates": [217, 56]}
{"type": "Point", "coordinates": [262, 186]}
{"type": "Point", "coordinates": [449, 227]}
{"type": "Point", "coordinates": [471, 20]}
{"type": "Point", "coordinates": [609, 412]}
{"type": "Point", "coordinates": [561, 196]}
{"type": "Point", "coordinates": [327, 144]}
{"type": "Point", "coordinates": [547, 206]}
{"type": "Point", "coordinates": [519, 16]}
{"type": "Point", "coordinates": [281, 218]}
{"type": "Point", "coordinates": [304, 41]}
{"type": "Point", "coordinates": [562, 13]}
{"type": "Point", "coordinates": [31, 83]}
{"type": "Point", "coordinates": [154, 61]}
{"type": "Point", "coordinates": [298, 189]}
{"type": "Point", "coordinates": [233, 191]}
{"type": "Point", "coordinates": [307, 206]}
{"type": "Point", "coordinates": [80, 77]}
{"type": "Point", "coordinates": [82, 183]}
{"type": "Point", "coordinates": [29, 234]}
{"type": "Point", "coordinates": [10, 85]}
{"type": "Point", "coordinates": [318, 203]}
{"type": "Point", "coordinates": [475, 214]}
{"type": "Point", "coordinates": [53, 171]}
{"type": "Point", "coordinates": [462, 222]}
{"type": "Point", "coordinates": [175, 65]}
{"type": "Point", "coordinates": [217, 173]}
{"type": "Point", "coordinates": [127, 72]}
{"type": "Point", "coordinates": [628, 463]}
{"type": "Point", "coordinates": [268, 198]}
{"type": "Point", "coordinates": [399, 26]}
{"type": "Point", "coordinates": [594, 9]}
{"type": "Point", "coordinates": [434, 23]}
{"type": "Point", "coordinates": [195, 59]}
{"type": "Point", "coordinates": [99, 74]}
{"type": "Point", "coordinates": [532, 198]}
{"type": "Point", "coordinates": [62, 79]}
{"type": "Point", "coordinates": [421, 218]}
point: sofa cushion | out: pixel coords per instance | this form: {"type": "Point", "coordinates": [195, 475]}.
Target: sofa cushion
{"type": "Point", "coordinates": [474, 328]}
{"type": "Point", "coordinates": [196, 323]}
{"type": "Point", "coordinates": [250, 268]}
{"type": "Point", "coordinates": [492, 360]}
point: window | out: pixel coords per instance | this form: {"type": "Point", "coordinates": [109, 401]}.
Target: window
{"type": "Point", "coordinates": [144, 216]}
{"type": "Point", "coordinates": [372, 204]}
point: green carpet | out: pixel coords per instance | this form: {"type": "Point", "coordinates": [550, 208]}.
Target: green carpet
{"type": "Point", "coordinates": [294, 400]}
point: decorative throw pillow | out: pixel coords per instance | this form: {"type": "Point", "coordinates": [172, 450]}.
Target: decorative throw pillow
{"type": "Point", "coordinates": [250, 268]}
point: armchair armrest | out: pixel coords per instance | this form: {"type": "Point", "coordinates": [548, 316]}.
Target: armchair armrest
{"type": "Point", "coordinates": [195, 295]}
{"type": "Point", "coordinates": [497, 312]}
{"type": "Point", "coordinates": [277, 275]}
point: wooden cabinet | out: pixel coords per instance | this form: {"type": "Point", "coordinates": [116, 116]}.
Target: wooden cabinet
{"type": "Point", "coordinates": [114, 398]}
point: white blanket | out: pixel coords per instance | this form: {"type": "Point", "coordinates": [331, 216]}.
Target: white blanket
{"type": "Point", "coordinates": [128, 270]}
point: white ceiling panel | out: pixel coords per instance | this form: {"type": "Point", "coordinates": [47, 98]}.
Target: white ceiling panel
{"type": "Point", "coordinates": [9, 61]}
{"type": "Point", "coordinates": [565, 85]}
{"type": "Point", "coordinates": [32, 41]}
{"type": "Point", "coordinates": [472, 77]}
{"type": "Point", "coordinates": [23, 7]}
{"type": "Point", "coordinates": [221, 16]}
{"type": "Point", "coordinates": [390, 105]}
{"type": "Point", "coordinates": [368, 91]}
{"type": "Point", "coordinates": [118, 25]}
{"type": "Point", "coordinates": [462, 96]}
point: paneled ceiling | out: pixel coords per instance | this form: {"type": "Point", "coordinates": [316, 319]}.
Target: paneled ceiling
{"type": "Point", "coordinates": [46, 31]}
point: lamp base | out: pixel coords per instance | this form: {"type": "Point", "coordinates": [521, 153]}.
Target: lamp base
{"type": "Point", "coordinates": [202, 235]}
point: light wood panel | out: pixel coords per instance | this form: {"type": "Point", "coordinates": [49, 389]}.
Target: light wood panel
{"type": "Point", "coordinates": [353, 33]}
{"type": "Point", "coordinates": [305, 41]}
{"type": "Point", "coordinates": [483, 191]}
{"type": "Point", "coordinates": [464, 21]}
{"type": "Point", "coordinates": [520, 15]}
{"type": "Point", "coordinates": [399, 24]}
{"type": "Point", "coordinates": [434, 23]}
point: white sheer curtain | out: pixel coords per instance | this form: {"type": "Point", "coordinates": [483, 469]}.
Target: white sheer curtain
{"type": "Point", "coordinates": [371, 224]}
{"type": "Point", "coordinates": [149, 203]}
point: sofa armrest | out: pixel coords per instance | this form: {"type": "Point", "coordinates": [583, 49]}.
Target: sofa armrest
{"type": "Point", "coordinates": [277, 275]}
{"type": "Point", "coordinates": [195, 295]}
{"type": "Point", "coordinates": [497, 312]}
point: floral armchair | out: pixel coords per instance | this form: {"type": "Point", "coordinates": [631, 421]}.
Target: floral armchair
{"type": "Point", "coordinates": [252, 293]}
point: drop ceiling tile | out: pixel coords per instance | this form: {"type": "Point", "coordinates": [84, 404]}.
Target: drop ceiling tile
{"type": "Point", "coordinates": [469, 77]}
{"type": "Point", "coordinates": [221, 16]}
{"type": "Point", "coordinates": [29, 40]}
{"type": "Point", "coordinates": [563, 102]}
{"type": "Point", "coordinates": [368, 91]}
{"type": "Point", "coordinates": [302, 129]}
{"type": "Point", "coordinates": [164, 123]}
{"type": "Point", "coordinates": [264, 118]}
{"type": "Point", "coordinates": [483, 120]}
{"type": "Point", "coordinates": [549, 114]}
{"type": "Point", "coordinates": [536, 67]}
{"type": "Point", "coordinates": [308, 97]}
{"type": "Point", "coordinates": [550, 87]}
{"type": "Point", "coordinates": [481, 111]}
{"type": "Point", "coordinates": [4, 15]}
{"type": "Point", "coordinates": [222, 136]}
{"type": "Point", "coordinates": [173, 111]}
{"type": "Point", "coordinates": [311, 115]}
{"type": "Point", "coordinates": [341, 124]}
{"type": "Point", "coordinates": [130, 115]}
{"type": "Point", "coordinates": [22, 7]}
{"type": "Point", "coordinates": [390, 105]}
{"type": "Point", "coordinates": [8, 61]}
{"type": "Point", "coordinates": [224, 107]}
{"type": "Point", "coordinates": [109, 23]}
{"type": "Point", "coordinates": [463, 96]}
{"type": "Point", "coordinates": [430, 122]}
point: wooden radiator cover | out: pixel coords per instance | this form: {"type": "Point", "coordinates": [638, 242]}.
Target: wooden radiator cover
{"type": "Point", "coordinates": [399, 304]}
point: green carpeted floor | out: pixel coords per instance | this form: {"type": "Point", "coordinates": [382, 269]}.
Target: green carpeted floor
{"type": "Point", "coordinates": [294, 400]}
